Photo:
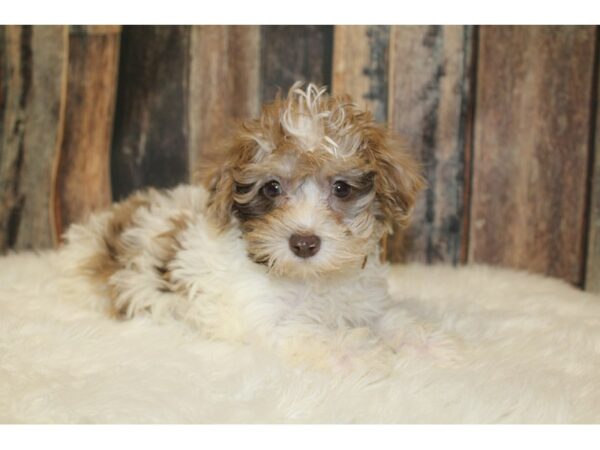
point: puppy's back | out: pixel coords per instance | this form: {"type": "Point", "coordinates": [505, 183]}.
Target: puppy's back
{"type": "Point", "coordinates": [137, 237]}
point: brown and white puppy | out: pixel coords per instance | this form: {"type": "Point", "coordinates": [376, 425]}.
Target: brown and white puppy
{"type": "Point", "coordinates": [279, 246]}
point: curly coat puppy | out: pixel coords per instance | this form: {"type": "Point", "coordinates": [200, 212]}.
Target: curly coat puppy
{"type": "Point", "coordinates": [280, 243]}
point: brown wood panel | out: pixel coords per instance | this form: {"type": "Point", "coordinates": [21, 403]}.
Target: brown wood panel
{"type": "Point", "coordinates": [592, 275]}
{"type": "Point", "coordinates": [290, 53]}
{"type": "Point", "coordinates": [430, 78]}
{"type": "Point", "coordinates": [531, 148]}
{"type": "Point", "coordinates": [150, 140]}
{"type": "Point", "coordinates": [83, 177]}
{"type": "Point", "coordinates": [360, 66]}
{"type": "Point", "coordinates": [224, 83]}
{"type": "Point", "coordinates": [33, 72]}
{"type": "Point", "coordinates": [95, 29]}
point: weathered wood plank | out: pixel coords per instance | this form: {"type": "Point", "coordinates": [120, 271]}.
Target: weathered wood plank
{"type": "Point", "coordinates": [360, 66]}
{"type": "Point", "coordinates": [3, 84]}
{"type": "Point", "coordinates": [592, 278]}
{"type": "Point", "coordinates": [224, 83]}
{"type": "Point", "coordinates": [290, 53]}
{"type": "Point", "coordinates": [150, 141]}
{"type": "Point", "coordinates": [592, 275]}
{"type": "Point", "coordinates": [83, 178]}
{"type": "Point", "coordinates": [31, 106]}
{"type": "Point", "coordinates": [94, 29]}
{"type": "Point", "coordinates": [531, 148]}
{"type": "Point", "coordinates": [430, 77]}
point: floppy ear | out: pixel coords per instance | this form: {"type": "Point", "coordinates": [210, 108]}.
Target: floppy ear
{"type": "Point", "coordinates": [216, 173]}
{"type": "Point", "coordinates": [398, 177]}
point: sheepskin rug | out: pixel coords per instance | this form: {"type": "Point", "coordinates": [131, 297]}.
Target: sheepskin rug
{"type": "Point", "coordinates": [531, 354]}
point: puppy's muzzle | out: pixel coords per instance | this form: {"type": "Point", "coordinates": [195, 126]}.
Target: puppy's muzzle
{"type": "Point", "coordinates": [305, 246]}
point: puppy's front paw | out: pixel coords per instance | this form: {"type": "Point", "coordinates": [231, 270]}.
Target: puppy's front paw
{"type": "Point", "coordinates": [407, 335]}
{"type": "Point", "coordinates": [352, 352]}
{"type": "Point", "coordinates": [423, 340]}
{"type": "Point", "coordinates": [376, 360]}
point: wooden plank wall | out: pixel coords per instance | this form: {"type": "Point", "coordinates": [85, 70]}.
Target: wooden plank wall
{"type": "Point", "coordinates": [503, 119]}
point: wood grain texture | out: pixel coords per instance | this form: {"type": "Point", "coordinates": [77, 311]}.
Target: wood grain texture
{"type": "Point", "coordinates": [592, 278]}
{"type": "Point", "coordinates": [360, 66]}
{"type": "Point", "coordinates": [83, 180]}
{"type": "Point", "coordinates": [290, 53]}
{"type": "Point", "coordinates": [32, 101]}
{"type": "Point", "coordinates": [224, 84]}
{"type": "Point", "coordinates": [592, 275]}
{"type": "Point", "coordinates": [94, 29]}
{"type": "Point", "coordinates": [430, 77]}
{"type": "Point", "coordinates": [531, 148]}
{"type": "Point", "coordinates": [150, 140]}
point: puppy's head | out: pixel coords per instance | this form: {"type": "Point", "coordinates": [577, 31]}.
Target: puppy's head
{"type": "Point", "coordinates": [313, 185]}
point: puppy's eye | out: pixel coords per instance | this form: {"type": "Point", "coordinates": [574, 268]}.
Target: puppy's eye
{"type": "Point", "coordinates": [272, 189]}
{"type": "Point", "coordinates": [341, 189]}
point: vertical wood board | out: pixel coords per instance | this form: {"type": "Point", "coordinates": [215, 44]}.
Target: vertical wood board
{"type": "Point", "coordinates": [531, 148]}
{"type": "Point", "coordinates": [32, 101]}
{"type": "Point", "coordinates": [430, 78]}
{"type": "Point", "coordinates": [292, 53]}
{"type": "Point", "coordinates": [150, 140]}
{"type": "Point", "coordinates": [224, 84]}
{"type": "Point", "coordinates": [83, 177]}
{"type": "Point", "coordinates": [592, 276]}
{"type": "Point", "coordinates": [360, 66]}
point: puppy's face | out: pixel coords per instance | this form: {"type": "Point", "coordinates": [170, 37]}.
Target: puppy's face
{"type": "Point", "coordinates": [313, 185]}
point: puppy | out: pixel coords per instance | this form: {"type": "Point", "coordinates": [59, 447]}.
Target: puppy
{"type": "Point", "coordinates": [278, 245]}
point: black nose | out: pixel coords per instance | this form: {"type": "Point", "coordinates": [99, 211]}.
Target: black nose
{"type": "Point", "coordinates": [305, 246]}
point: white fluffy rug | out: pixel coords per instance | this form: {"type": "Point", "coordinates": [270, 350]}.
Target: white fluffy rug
{"type": "Point", "coordinates": [531, 354]}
